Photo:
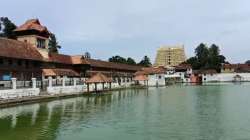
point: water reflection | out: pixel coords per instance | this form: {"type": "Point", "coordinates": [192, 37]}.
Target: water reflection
{"type": "Point", "coordinates": [209, 112]}
{"type": "Point", "coordinates": [176, 112]}
{"type": "Point", "coordinates": [43, 121]}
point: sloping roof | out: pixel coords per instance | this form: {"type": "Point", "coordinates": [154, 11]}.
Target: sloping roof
{"type": "Point", "coordinates": [111, 65]}
{"type": "Point", "coordinates": [140, 78]}
{"type": "Point", "coordinates": [79, 59]}
{"type": "Point", "coordinates": [151, 70]}
{"type": "Point", "coordinates": [32, 24]}
{"type": "Point", "coordinates": [209, 71]}
{"type": "Point", "coordinates": [60, 58]}
{"type": "Point", "coordinates": [66, 59]}
{"type": "Point", "coordinates": [183, 67]}
{"type": "Point", "coordinates": [99, 78]}
{"type": "Point", "coordinates": [60, 72]}
{"type": "Point", "coordinates": [17, 49]}
{"type": "Point", "coordinates": [240, 68]}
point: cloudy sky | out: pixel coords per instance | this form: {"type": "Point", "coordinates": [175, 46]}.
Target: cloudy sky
{"type": "Point", "coordinates": [138, 27]}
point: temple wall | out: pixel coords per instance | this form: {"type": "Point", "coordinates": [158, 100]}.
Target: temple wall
{"type": "Point", "coordinates": [19, 93]}
{"type": "Point", "coordinates": [225, 77]}
{"type": "Point", "coordinates": [67, 89]}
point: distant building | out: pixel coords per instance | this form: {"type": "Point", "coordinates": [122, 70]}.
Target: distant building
{"type": "Point", "coordinates": [152, 75]}
{"type": "Point", "coordinates": [235, 68]}
{"type": "Point", "coordinates": [169, 56]}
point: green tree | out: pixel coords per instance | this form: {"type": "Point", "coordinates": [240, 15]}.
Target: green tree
{"type": "Point", "coordinates": [131, 61]}
{"type": "Point", "coordinates": [202, 54]}
{"type": "Point", "coordinates": [87, 55]}
{"type": "Point", "coordinates": [145, 62]}
{"type": "Point", "coordinates": [194, 62]}
{"type": "Point", "coordinates": [53, 44]}
{"type": "Point", "coordinates": [247, 62]}
{"type": "Point", "coordinates": [207, 58]}
{"type": "Point", "coordinates": [214, 59]}
{"type": "Point", "coordinates": [118, 59]}
{"type": "Point", "coordinates": [7, 27]}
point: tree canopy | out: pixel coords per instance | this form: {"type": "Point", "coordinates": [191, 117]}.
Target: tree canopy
{"type": "Point", "coordinates": [87, 55]}
{"type": "Point", "coordinates": [53, 44]}
{"type": "Point", "coordinates": [118, 59]}
{"type": "Point", "coordinates": [7, 27]}
{"type": "Point", "coordinates": [131, 61]}
{"type": "Point", "coordinates": [247, 62]}
{"type": "Point", "coordinates": [145, 62]}
{"type": "Point", "coordinates": [207, 57]}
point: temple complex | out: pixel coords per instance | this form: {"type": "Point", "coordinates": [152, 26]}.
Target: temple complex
{"type": "Point", "coordinates": [29, 56]}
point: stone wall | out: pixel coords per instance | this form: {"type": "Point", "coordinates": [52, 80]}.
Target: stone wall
{"type": "Point", "coordinates": [225, 77]}
{"type": "Point", "coordinates": [67, 89]}
{"type": "Point", "coordinates": [19, 93]}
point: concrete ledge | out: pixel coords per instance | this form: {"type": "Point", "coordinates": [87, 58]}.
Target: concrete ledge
{"type": "Point", "coordinates": [66, 89]}
{"type": "Point", "coordinates": [19, 93]}
{"type": "Point", "coordinates": [50, 97]}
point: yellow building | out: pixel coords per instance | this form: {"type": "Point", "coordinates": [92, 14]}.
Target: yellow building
{"type": "Point", "coordinates": [168, 56]}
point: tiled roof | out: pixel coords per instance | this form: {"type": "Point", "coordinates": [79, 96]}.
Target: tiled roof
{"type": "Point", "coordinates": [99, 78]}
{"type": "Point", "coordinates": [151, 70]}
{"type": "Point", "coordinates": [60, 58]}
{"type": "Point", "coordinates": [17, 49]}
{"type": "Point", "coordinates": [111, 65]}
{"type": "Point", "coordinates": [209, 71]}
{"type": "Point", "coordinates": [32, 24]}
{"type": "Point", "coordinates": [60, 72]}
{"type": "Point", "coordinates": [183, 66]}
{"type": "Point", "coordinates": [79, 59]}
{"type": "Point", "coordinates": [236, 66]}
{"type": "Point", "coordinates": [140, 78]}
{"type": "Point", "coordinates": [66, 59]}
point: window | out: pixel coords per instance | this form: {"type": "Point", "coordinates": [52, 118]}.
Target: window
{"type": "Point", "coordinates": [205, 79]}
{"type": "Point", "coordinates": [1, 61]}
{"type": "Point", "coordinates": [10, 62]}
{"type": "Point", "coordinates": [36, 64]}
{"type": "Point", "coordinates": [40, 43]}
{"type": "Point", "coordinates": [26, 64]}
{"type": "Point", "coordinates": [19, 62]}
{"type": "Point", "coordinates": [159, 77]}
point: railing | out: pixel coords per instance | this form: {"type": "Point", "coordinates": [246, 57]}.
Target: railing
{"type": "Point", "coordinates": [42, 84]}
{"type": "Point", "coordinates": [57, 82]}
{"type": "Point", "coordinates": [79, 82]}
{"type": "Point", "coordinates": [5, 85]}
{"type": "Point", "coordinates": [69, 82]}
{"type": "Point", "coordinates": [23, 84]}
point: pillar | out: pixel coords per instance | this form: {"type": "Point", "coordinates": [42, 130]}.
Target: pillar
{"type": "Point", "coordinates": [75, 82]}
{"type": "Point", "coordinates": [63, 81]}
{"type": "Point", "coordinates": [33, 82]}
{"type": "Point", "coordinates": [95, 86]}
{"type": "Point", "coordinates": [102, 86]}
{"type": "Point", "coordinates": [87, 87]}
{"type": "Point", "coordinates": [110, 86]}
{"type": "Point", "coordinates": [50, 81]}
{"type": "Point", "coordinates": [13, 83]}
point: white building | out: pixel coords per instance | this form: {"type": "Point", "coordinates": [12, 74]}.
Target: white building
{"type": "Point", "coordinates": [154, 76]}
{"type": "Point", "coordinates": [181, 73]}
{"type": "Point", "coordinates": [226, 77]}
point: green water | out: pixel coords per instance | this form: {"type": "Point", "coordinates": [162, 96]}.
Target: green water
{"type": "Point", "coordinates": [212, 112]}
